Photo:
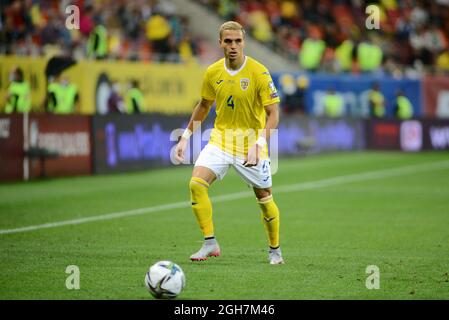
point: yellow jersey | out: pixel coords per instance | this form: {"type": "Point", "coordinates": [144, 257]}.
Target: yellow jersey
{"type": "Point", "coordinates": [240, 97]}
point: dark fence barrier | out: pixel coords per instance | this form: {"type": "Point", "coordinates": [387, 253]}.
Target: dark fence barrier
{"type": "Point", "coordinates": [410, 135]}
{"type": "Point", "coordinates": [38, 145]}
{"type": "Point", "coordinates": [11, 147]}
{"type": "Point", "coordinates": [136, 142]}
{"type": "Point", "coordinates": [299, 135]}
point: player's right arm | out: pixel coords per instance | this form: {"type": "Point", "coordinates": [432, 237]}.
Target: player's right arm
{"type": "Point", "coordinates": [199, 114]}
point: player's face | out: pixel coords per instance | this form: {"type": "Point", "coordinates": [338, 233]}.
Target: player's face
{"type": "Point", "coordinates": [232, 43]}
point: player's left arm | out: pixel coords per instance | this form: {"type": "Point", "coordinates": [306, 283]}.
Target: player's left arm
{"type": "Point", "coordinates": [252, 159]}
{"type": "Point", "coordinates": [272, 111]}
{"type": "Point", "coordinates": [270, 100]}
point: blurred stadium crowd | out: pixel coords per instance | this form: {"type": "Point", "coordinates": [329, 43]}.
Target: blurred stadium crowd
{"type": "Point", "coordinates": [322, 35]}
{"type": "Point", "coordinates": [412, 38]}
{"type": "Point", "coordinates": [114, 29]}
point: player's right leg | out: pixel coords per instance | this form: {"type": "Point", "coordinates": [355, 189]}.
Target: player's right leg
{"type": "Point", "coordinates": [202, 178]}
{"type": "Point", "coordinates": [209, 166]}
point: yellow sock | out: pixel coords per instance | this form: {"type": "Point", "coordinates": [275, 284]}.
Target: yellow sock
{"type": "Point", "coordinates": [201, 205]}
{"type": "Point", "coordinates": [270, 218]}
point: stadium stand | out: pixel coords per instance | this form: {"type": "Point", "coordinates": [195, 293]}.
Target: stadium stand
{"type": "Point", "coordinates": [413, 35]}
{"type": "Point", "coordinates": [136, 30]}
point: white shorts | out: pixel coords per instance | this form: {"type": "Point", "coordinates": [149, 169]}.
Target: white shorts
{"type": "Point", "coordinates": [219, 161]}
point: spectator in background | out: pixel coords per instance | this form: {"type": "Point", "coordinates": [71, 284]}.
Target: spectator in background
{"type": "Point", "coordinates": [70, 102]}
{"type": "Point", "coordinates": [115, 100]}
{"type": "Point", "coordinates": [87, 24]}
{"type": "Point", "coordinates": [293, 92]}
{"type": "Point", "coordinates": [376, 101]}
{"type": "Point", "coordinates": [36, 15]}
{"type": "Point", "coordinates": [333, 104]}
{"type": "Point", "coordinates": [51, 33]}
{"type": "Point", "coordinates": [16, 24]}
{"type": "Point", "coordinates": [404, 27]}
{"type": "Point", "coordinates": [312, 51]}
{"type": "Point", "coordinates": [419, 43]}
{"type": "Point", "coordinates": [403, 108]}
{"type": "Point", "coordinates": [287, 39]}
{"type": "Point", "coordinates": [62, 96]}
{"type": "Point", "coordinates": [134, 98]}
{"type": "Point", "coordinates": [187, 49]}
{"type": "Point", "coordinates": [8, 35]}
{"type": "Point", "coordinates": [369, 55]}
{"type": "Point", "coordinates": [288, 12]}
{"type": "Point", "coordinates": [18, 98]}
{"type": "Point", "coordinates": [132, 20]}
{"type": "Point", "coordinates": [345, 56]}
{"type": "Point", "coordinates": [51, 96]}
{"type": "Point", "coordinates": [228, 9]}
{"type": "Point", "coordinates": [20, 18]}
{"type": "Point", "coordinates": [260, 26]}
{"type": "Point", "coordinates": [443, 61]}
{"type": "Point", "coordinates": [97, 43]}
{"type": "Point", "coordinates": [419, 15]}
{"type": "Point", "coordinates": [158, 32]}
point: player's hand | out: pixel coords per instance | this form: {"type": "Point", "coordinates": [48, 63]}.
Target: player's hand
{"type": "Point", "coordinates": [252, 159]}
{"type": "Point", "coordinates": [180, 149]}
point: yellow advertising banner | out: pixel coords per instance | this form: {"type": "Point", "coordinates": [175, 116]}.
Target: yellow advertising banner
{"type": "Point", "coordinates": [167, 88]}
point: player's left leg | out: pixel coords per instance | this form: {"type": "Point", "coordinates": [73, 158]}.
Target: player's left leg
{"type": "Point", "coordinates": [259, 177]}
{"type": "Point", "coordinates": [271, 220]}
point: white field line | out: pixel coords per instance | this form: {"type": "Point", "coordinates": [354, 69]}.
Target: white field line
{"type": "Point", "coordinates": [364, 176]}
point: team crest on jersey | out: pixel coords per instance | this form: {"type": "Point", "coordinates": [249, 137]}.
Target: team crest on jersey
{"type": "Point", "coordinates": [244, 83]}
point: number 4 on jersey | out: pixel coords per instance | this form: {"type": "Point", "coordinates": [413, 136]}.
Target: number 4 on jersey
{"type": "Point", "coordinates": [230, 102]}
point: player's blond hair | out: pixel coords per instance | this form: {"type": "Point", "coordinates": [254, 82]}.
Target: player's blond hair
{"type": "Point", "coordinates": [231, 25]}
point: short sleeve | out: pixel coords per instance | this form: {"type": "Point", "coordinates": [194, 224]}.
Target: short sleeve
{"type": "Point", "coordinates": [267, 90]}
{"type": "Point", "coordinates": [207, 91]}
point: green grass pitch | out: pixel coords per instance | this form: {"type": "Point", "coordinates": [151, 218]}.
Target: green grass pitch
{"type": "Point", "coordinates": [386, 209]}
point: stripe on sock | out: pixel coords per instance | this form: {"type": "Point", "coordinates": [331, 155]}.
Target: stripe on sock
{"type": "Point", "coordinates": [266, 199]}
{"type": "Point", "coordinates": [200, 181]}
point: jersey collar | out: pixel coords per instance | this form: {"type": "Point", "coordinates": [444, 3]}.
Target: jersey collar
{"type": "Point", "coordinates": [234, 72]}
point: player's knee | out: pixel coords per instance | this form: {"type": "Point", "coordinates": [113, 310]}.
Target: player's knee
{"type": "Point", "coordinates": [198, 186]}
{"type": "Point", "coordinates": [262, 193]}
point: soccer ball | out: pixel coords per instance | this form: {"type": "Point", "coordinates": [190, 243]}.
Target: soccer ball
{"type": "Point", "coordinates": [165, 280]}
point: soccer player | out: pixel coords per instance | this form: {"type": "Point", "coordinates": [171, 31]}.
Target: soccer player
{"type": "Point", "coordinates": [247, 108]}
